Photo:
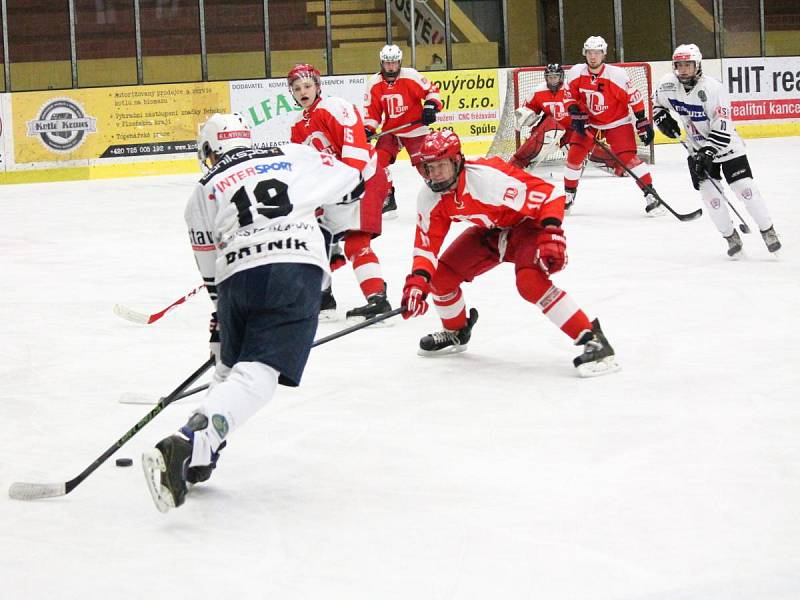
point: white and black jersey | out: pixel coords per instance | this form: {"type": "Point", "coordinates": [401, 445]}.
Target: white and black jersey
{"type": "Point", "coordinates": [705, 113]}
{"type": "Point", "coordinates": [256, 207]}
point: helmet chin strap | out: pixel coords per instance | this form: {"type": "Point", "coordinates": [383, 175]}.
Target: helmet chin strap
{"type": "Point", "coordinates": [443, 186]}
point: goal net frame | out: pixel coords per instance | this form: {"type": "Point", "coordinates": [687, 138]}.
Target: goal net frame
{"type": "Point", "coordinates": [520, 85]}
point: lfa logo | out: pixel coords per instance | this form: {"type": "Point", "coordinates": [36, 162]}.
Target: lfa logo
{"type": "Point", "coordinates": [62, 125]}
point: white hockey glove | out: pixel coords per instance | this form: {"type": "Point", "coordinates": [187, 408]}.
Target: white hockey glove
{"type": "Point", "coordinates": [524, 117]}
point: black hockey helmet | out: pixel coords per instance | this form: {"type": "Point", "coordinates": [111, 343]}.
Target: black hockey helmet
{"type": "Point", "coordinates": [554, 83]}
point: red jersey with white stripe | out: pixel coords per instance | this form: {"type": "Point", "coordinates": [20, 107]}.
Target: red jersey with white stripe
{"type": "Point", "coordinates": [334, 125]}
{"type": "Point", "coordinates": [490, 193]}
{"type": "Point", "coordinates": [605, 96]}
{"type": "Point", "coordinates": [398, 102]}
{"type": "Point", "coordinates": [551, 104]}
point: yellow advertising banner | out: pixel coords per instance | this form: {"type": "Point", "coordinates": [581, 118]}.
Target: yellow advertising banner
{"type": "Point", "coordinates": [471, 108]}
{"type": "Point", "coordinates": [142, 121]}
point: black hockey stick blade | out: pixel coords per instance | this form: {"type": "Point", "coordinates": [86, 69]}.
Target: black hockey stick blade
{"type": "Point", "coordinates": [696, 214]}
{"type": "Point", "coordinates": [33, 491]}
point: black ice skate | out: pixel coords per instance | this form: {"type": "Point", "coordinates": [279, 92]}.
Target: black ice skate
{"type": "Point", "coordinates": [389, 206]}
{"type": "Point", "coordinates": [598, 355]}
{"type": "Point", "coordinates": [653, 208]}
{"type": "Point", "coordinates": [771, 239]}
{"type": "Point", "coordinates": [165, 471]}
{"type": "Point", "coordinates": [327, 309]}
{"type": "Point", "coordinates": [377, 304]}
{"type": "Point", "coordinates": [448, 342]}
{"type": "Point", "coordinates": [735, 244]}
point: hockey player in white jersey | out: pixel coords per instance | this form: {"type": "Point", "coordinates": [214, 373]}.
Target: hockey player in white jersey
{"type": "Point", "coordinates": [704, 109]}
{"type": "Point", "coordinates": [261, 252]}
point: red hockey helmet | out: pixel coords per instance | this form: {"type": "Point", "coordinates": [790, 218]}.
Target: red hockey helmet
{"type": "Point", "coordinates": [304, 71]}
{"type": "Point", "coordinates": [440, 145]}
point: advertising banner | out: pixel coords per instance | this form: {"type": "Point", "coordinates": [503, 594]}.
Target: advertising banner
{"type": "Point", "coordinates": [472, 106]}
{"type": "Point", "coordinates": [763, 89]}
{"type": "Point", "coordinates": [112, 123]}
{"type": "Point", "coordinates": [267, 105]}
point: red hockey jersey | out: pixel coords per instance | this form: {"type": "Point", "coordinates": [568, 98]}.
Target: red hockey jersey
{"type": "Point", "coordinates": [334, 125]}
{"type": "Point", "coordinates": [551, 104]}
{"type": "Point", "coordinates": [490, 193]}
{"type": "Point", "coordinates": [398, 102]}
{"type": "Point", "coordinates": [606, 96]}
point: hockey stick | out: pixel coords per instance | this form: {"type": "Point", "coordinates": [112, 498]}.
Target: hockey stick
{"type": "Point", "coordinates": [145, 319]}
{"type": "Point", "coordinates": [34, 491]}
{"type": "Point", "coordinates": [743, 227]}
{"type": "Point", "coordinates": [375, 136]}
{"type": "Point", "coordinates": [649, 188]}
{"type": "Point", "coordinates": [319, 342]}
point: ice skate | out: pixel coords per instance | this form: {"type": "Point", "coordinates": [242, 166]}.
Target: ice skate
{"type": "Point", "coordinates": [570, 201]}
{"type": "Point", "coordinates": [327, 310]}
{"type": "Point", "coordinates": [735, 245]}
{"type": "Point", "coordinates": [653, 208]}
{"type": "Point", "coordinates": [771, 239]}
{"type": "Point", "coordinates": [165, 471]}
{"type": "Point", "coordinates": [598, 355]}
{"type": "Point", "coordinates": [377, 304]}
{"type": "Point", "coordinates": [389, 206]}
{"type": "Point", "coordinates": [446, 341]}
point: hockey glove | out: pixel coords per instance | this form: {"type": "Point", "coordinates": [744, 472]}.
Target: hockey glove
{"type": "Point", "coordinates": [579, 119]}
{"type": "Point", "coordinates": [524, 117]}
{"type": "Point", "coordinates": [337, 259]}
{"type": "Point", "coordinates": [551, 250]}
{"type": "Point", "coordinates": [429, 110]}
{"type": "Point", "coordinates": [214, 343]}
{"type": "Point", "coordinates": [667, 125]}
{"type": "Point", "coordinates": [644, 128]}
{"type": "Point", "coordinates": [414, 294]}
{"type": "Point", "coordinates": [704, 162]}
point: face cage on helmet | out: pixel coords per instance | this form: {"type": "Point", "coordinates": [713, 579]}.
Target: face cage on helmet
{"type": "Point", "coordinates": [557, 85]}
{"type": "Point", "coordinates": [443, 186]}
{"type": "Point", "coordinates": [691, 80]}
{"type": "Point", "coordinates": [390, 75]}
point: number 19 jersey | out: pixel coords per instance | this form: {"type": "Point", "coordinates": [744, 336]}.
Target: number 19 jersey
{"type": "Point", "coordinates": [256, 207]}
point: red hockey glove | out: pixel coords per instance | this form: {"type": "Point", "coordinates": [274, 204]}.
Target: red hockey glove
{"type": "Point", "coordinates": [414, 294]}
{"type": "Point", "coordinates": [644, 128]}
{"type": "Point", "coordinates": [551, 250]}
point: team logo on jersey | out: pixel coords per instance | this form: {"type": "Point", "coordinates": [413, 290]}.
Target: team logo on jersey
{"type": "Point", "coordinates": [62, 125]}
{"type": "Point", "coordinates": [722, 112]}
{"type": "Point", "coordinates": [510, 195]}
{"type": "Point", "coordinates": [327, 159]}
{"type": "Point", "coordinates": [668, 86]}
{"type": "Point", "coordinates": [702, 95]}
{"type": "Point", "coordinates": [395, 107]}
{"type": "Point", "coordinates": [595, 101]}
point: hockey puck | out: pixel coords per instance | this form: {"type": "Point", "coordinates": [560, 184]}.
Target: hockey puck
{"type": "Point", "coordinates": [124, 462]}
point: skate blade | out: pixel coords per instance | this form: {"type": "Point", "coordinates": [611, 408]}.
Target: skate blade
{"type": "Point", "coordinates": [738, 256]}
{"type": "Point", "coordinates": [153, 465]}
{"type": "Point", "coordinates": [659, 211]}
{"type": "Point", "coordinates": [605, 366]}
{"type": "Point", "coordinates": [390, 216]}
{"type": "Point", "coordinates": [328, 316]}
{"type": "Point", "coordinates": [443, 352]}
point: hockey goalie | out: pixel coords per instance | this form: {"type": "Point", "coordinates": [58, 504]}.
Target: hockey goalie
{"type": "Point", "coordinates": [545, 112]}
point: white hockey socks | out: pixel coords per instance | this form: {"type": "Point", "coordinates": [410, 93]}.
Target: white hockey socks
{"type": "Point", "coordinates": [747, 191]}
{"type": "Point", "coordinates": [717, 207]}
{"type": "Point", "coordinates": [230, 403]}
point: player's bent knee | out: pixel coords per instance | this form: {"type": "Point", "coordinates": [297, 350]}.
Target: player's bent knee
{"type": "Point", "coordinates": [445, 280]}
{"type": "Point", "coordinates": [532, 284]}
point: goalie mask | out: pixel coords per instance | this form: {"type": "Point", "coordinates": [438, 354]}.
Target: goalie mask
{"type": "Point", "coordinates": [390, 54]}
{"type": "Point", "coordinates": [688, 53]}
{"type": "Point", "coordinates": [554, 76]}
{"type": "Point", "coordinates": [438, 146]}
{"type": "Point", "coordinates": [222, 133]}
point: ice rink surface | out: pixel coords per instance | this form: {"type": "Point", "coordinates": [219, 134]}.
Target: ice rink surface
{"type": "Point", "coordinates": [496, 473]}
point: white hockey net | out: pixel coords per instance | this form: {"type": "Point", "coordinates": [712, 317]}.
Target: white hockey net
{"type": "Point", "coordinates": [521, 84]}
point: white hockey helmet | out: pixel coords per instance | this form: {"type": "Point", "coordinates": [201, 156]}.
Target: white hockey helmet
{"type": "Point", "coordinates": [222, 133]}
{"type": "Point", "coordinates": [391, 53]}
{"type": "Point", "coordinates": [688, 53]}
{"type": "Point", "coordinates": [595, 42]}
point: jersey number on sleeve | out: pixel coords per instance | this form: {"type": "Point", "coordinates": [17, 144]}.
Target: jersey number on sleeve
{"type": "Point", "coordinates": [272, 199]}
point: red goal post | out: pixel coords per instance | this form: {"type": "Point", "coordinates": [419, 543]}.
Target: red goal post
{"type": "Point", "coordinates": [520, 85]}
